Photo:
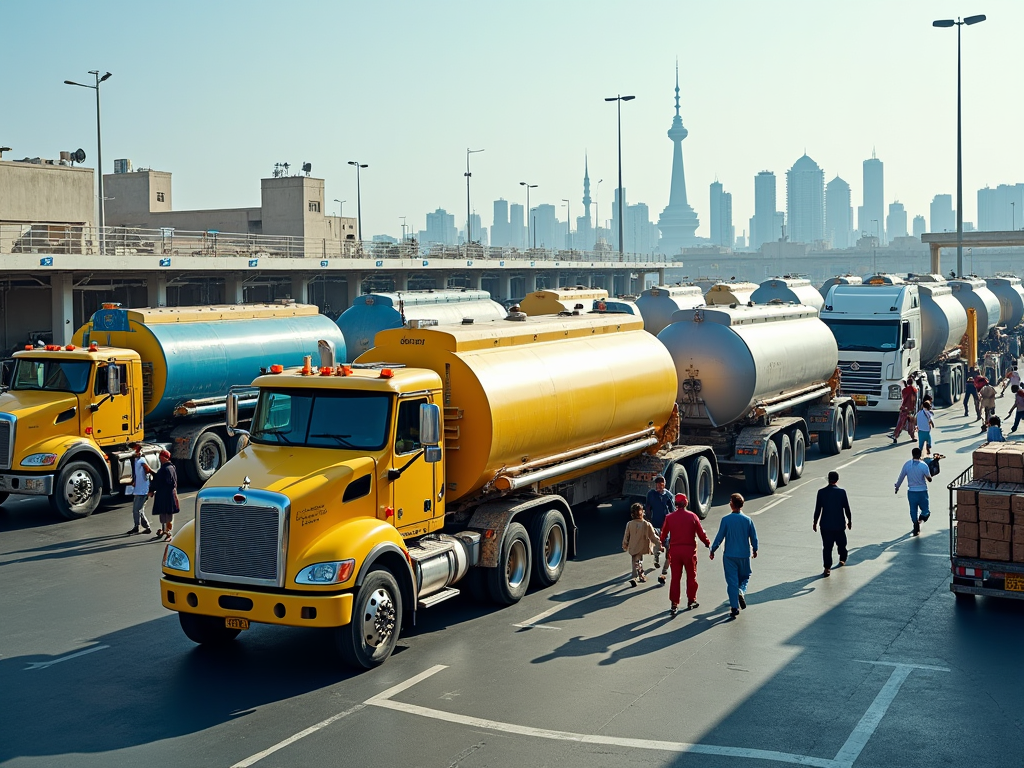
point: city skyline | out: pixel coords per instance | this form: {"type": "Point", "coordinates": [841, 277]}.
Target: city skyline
{"type": "Point", "coordinates": [278, 87]}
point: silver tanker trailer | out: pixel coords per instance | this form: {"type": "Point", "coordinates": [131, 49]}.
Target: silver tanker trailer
{"type": "Point", "coordinates": [788, 290]}
{"type": "Point", "coordinates": [658, 304]}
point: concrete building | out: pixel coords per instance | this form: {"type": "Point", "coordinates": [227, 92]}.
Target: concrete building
{"type": "Point", "coordinates": [920, 227]}
{"type": "Point", "coordinates": [548, 231]}
{"type": "Point", "coordinates": [941, 216]}
{"type": "Point", "coordinates": [1001, 209]}
{"type": "Point", "coordinates": [37, 191]}
{"type": "Point", "coordinates": [722, 230]}
{"type": "Point", "coordinates": [440, 229]}
{"type": "Point", "coordinates": [678, 222]}
{"type": "Point", "coordinates": [500, 227]}
{"type": "Point", "coordinates": [516, 226]}
{"type": "Point", "coordinates": [896, 221]}
{"type": "Point", "coordinates": [805, 201]}
{"type": "Point", "coordinates": [872, 213]}
{"type": "Point", "coordinates": [838, 214]}
{"type": "Point", "coordinates": [763, 226]}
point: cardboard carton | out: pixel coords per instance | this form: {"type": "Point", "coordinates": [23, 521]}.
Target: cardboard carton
{"type": "Point", "coordinates": [1011, 455]}
{"type": "Point", "coordinates": [994, 515]}
{"type": "Point", "coordinates": [993, 501]}
{"type": "Point", "coordinates": [967, 512]}
{"type": "Point", "coordinates": [969, 496]}
{"type": "Point", "coordinates": [1016, 552]}
{"type": "Point", "coordinates": [1016, 504]}
{"type": "Point", "coordinates": [966, 530]}
{"type": "Point", "coordinates": [967, 547]}
{"type": "Point", "coordinates": [989, 549]}
{"type": "Point", "coordinates": [994, 531]}
{"type": "Point", "coordinates": [1017, 534]}
{"type": "Point", "coordinates": [1010, 474]}
{"type": "Point", "coordinates": [987, 454]}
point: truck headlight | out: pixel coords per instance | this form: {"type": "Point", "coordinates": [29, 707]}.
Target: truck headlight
{"type": "Point", "coordinates": [894, 392]}
{"type": "Point", "coordinates": [175, 559]}
{"type": "Point", "coordinates": [326, 573]}
{"type": "Point", "coordinates": [39, 460]}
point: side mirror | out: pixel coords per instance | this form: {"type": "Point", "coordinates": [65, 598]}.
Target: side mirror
{"type": "Point", "coordinates": [432, 454]}
{"type": "Point", "coordinates": [910, 344]}
{"type": "Point", "coordinates": [430, 424]}
{"type": "Point", "coordinates": [231, 413]}
{"type": "Point", "coordinates": [113, 380]}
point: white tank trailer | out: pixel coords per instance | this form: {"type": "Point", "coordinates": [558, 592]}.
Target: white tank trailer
{"type": "Point", "coordinates": [972, 292]}
{"type": "Point", "coordinates": [788, 290]}
{"type": "Point", "coordinates": [838, 280]}
{"type": "Point", "coordinates": [1004, 347]}
{"type": "Point", "coordinates": [658, 304]}
{"type": "Point", "coordinates": [758, 384]}
{"type": "Point", "coordinates": [730, 293]}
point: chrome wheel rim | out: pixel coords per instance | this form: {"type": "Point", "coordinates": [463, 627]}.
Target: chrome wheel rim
{"type": "Point", "coordinates": [79, 488]}
{"type": "Point", "coordinates": [379, 617]}
{"type": "Point", "coordinates": [515, 571]}
{"type": "Point", "coordinates": [554, 547]}
{"type": "Point", "coordinates": [209, 458]}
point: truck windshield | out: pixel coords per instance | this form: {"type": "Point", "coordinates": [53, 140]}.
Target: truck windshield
{"type": "Point", "coordinates": [51, 375]}
{"type": "Point", "coordinates": [865, 335]}
{"type": "Point", "coordinates": [323, 419]}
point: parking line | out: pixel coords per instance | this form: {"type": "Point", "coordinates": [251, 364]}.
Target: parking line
{"type": "Point", "coordinates": [47, 664]}
{"type": "Point", "coordinates": [851, 461]}
{"type": "Point", "coordinates": [534, 622]}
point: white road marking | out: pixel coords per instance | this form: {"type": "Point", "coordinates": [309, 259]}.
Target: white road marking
{"type": "Point", "coordinates": [780, 497]}
{"type": "Point", "coordinates": [851, 461]}
{"type": "Point", "coordinates": [534, 622]}
{"type": "Point", "coordinates": [47, 664]}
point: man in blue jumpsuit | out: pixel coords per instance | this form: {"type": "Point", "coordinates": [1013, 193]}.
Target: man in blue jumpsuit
{"type": "Point", "coordinates": [737, 530]}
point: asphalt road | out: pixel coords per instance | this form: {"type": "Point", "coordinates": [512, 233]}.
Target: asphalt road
{"type": "Point", "coordinates": [874, 666]}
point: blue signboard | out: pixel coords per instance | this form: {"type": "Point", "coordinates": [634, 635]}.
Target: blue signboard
{"type": "Point", "coordinates": [469, 263]}
{"type": "Point", "coordinates": [324, 263]}
{"type": "Point", "coordinates": [501, 263]}
{"type": "Point", "coordinates": [253, 262]}
{"type": "Point", "coordinates": [379, 263]}
{"type": "Point", "coordinates": [46, 261]}
{"type": "Point", "coordinates": [425, 262]}
{"type": "Point", "coordinates": [531, 263]}
{"type": "Point", "coordinates": [165, 262]}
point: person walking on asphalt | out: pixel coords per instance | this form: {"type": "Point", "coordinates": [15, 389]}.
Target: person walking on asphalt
{"type": "Point", "coordinates": [682, 528]}
{"type": "Point", "coordinates": [164, 490]}
{"type": "Point", "coordinates": [925, 422]}
{"type": "Point", "coordinates": [987, 396]}
{"type": "Point", "coordinates": [907, 410]}
{"type": "Point", "coordinates": [638, 540]}
{"type": "Point", "coordinates": [659, 505]}
{"type": "Point", "coordinates": [918, 475]}
{"type": "Point", "coordinates": [140, 491]}
{"type": "Point", "coordinates": [971, 393]}
{"type": "Point", "coordinates": [1018, 406]}
{"type": "Point", "coordinates": [832, 508]}
{"type": "Point", "coordinates": [740, 537]}
{"type": "Point", "coordinates": [1012, 379]}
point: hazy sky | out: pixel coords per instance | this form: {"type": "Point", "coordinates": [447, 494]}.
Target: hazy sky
{"type": "Point", "coordinates": [217, 92]}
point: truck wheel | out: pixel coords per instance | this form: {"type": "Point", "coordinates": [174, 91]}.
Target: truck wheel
{"type": "Point", "coordinates": [548, 537]}
{"type": "Point", "coordinates": [77, 490]}
{"type": "Point", "coordinates": [370, 637]}
{"type": "Point", "coordinates": [702, 477]}
{"type": "Point", "coordinates": [796, 439]}
{"type": "Point", "coordinates": [767, 475]}
{"type": "Point", "coordinates": [785, 458]}
{"type": "Point", "coordinates": [677, 480]}
{"type": "Point", "coordinates": [831, 443]}
{"type": "Point", "coordinates": [849, 427]}
{"type": "Point", "coordinates": [207, 458]}
{"type": "Point", "coordinates": [206, 630]}
{"type": "Point", "coordinates": [507, 583]}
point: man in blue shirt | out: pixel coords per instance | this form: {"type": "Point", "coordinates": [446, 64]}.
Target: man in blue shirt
{"type": "Point", "coordinates": [737, 530]}
{"type": "Point", "coordinates": [659, 504]}
{"type": "Point", "coordinates": [917, 475]}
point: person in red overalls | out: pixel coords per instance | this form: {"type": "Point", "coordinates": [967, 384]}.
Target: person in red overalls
{"type": "Point", "coordinates": [908, 411]}
{"type": "Point", "coordinates": [682, 528]}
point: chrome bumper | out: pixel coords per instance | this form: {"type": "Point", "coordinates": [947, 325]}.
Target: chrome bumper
{"type": "Point", "coordinates": [31, 485]}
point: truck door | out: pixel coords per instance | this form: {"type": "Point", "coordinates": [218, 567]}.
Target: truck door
{"type": "Point", "coordinates": [111, 414]}
{"type": "Point", "coordinates": [414, 494]}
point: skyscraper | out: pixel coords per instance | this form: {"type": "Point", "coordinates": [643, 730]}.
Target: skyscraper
{"type": "Point", "coordinates": [441, 228]}
{"type": "Point", "coordinates": [919, 226]}
{"type": "Point", "coordinates": [763, 226]}
{"type": "Point", "coordinates": [873, 209]}
{"type": "Point", "coordinates": [722, 230]}
{"type": "Point", "coordinates": [516, 227]}
{"type": "Point", "coordinates": [805, 201]}
{"type": "Point", "coordinates": [678, 222]}
{"type": "Point", "coordinates": [838, 213]}
{"type": "Point", "coordinates": [941, 214]}
{"type": "Point", "coordinates": [896, 221]}
{"type": "Point", "coordinates": [500, 228]}
{"type": "Point", "coordinates": [1001, 209]}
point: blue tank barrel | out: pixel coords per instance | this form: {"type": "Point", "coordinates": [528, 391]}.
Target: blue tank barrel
{"type": "Point", "coordinates": [375, 312]}
{"type": "Point", "coordinates": [190, 353]}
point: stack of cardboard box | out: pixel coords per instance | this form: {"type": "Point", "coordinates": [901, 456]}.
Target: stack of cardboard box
{"type": "Point", "coordinates": [990, 509]}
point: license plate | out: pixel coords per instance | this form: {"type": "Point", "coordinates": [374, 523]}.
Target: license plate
{"type": "Point", "coordinates": [860, 399]}
{"type": "Point", "coordinates": [232, 623]}
{"type": "Point", "coordinates": [1015, 582]}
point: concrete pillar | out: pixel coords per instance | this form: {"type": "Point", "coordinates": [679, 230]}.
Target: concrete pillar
{"type": "Point", "coordinates": [354, 281]}
{"type": "Point", "coordinates": [401, 281]}
{"type": "Point", "coordinates": [234, 289]}
{"type": "Point", "coordinates": [506, 286]}
{"type": "Point", "coordinates": [531, 281]}
{"type": "Point", "coordinates": [62, 307]}
{"type": "Point", "coordinates": [936, 267]}
{"type": "Point", "coordinates": [300, 288]}
{"type": "Point", "coordinates": [476, 281]}
{"type": "Point", "coordinates": [661, 276]}
{"type": "Point", "coordinates": [156, 291]}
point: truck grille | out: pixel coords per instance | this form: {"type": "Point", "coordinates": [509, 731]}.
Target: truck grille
{"type": "Point", "coordinates": [867, 380]}
{"type": "Point", "coordinates": [239, 543]}
{"type": "Point", "coordinates": [6, 441]}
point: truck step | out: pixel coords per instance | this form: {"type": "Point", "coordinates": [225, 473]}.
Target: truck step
{"type": "Point", "coordinates": [437, 597]}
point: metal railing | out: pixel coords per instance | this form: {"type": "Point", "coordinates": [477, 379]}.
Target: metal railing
{"type": "Point", "coordinates": [55, 239]}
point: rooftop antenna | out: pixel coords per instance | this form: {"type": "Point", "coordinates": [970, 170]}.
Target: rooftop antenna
{"type": "Point", "coordinates": [2, 150]}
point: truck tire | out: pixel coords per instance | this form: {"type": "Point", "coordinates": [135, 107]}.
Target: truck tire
{"type": "Point", "coordinates": [796, 439]}
{"type": "Point", "coordinates": [831, 443]}
{"type": "Point", "coordinates": [785, 447]}
{"type": "Point", "coordinates": [767, 475]}
{"type": "Point", "coordinates": [206, 630]}
{"type": "Point", "coordinates": [77, 490]}
{"type": "Point", "coordinates": [370, 637]}
{"type": "Point", "coordinates": [208, 456]}
{"type": "Point", "coordinates": [702, 479]}
{"type": "Point", "coordinates": [677, 480]}
{"type": "Point", "coordinates": [507, 583]}
{"type": "Point", "coordinates": [849, 427]}
{"type": "Point", "coordinates": [549, 538]}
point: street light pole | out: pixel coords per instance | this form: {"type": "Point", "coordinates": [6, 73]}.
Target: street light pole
{"type": "Point", "coordinates": [99, 144]}
{"type": "Point", "coordinates": [340, 203]}
{"type": "Point", "coordinates": [469, 221]}
{"type": "Point", "coordinates": [529, 227]}
{"type": "Point", "coordinates": [403, 227]}
{"type": "Point", "coordinates": [619, 99]}
{"type": "Point", "coordinates": [597, 209]}
{"type": "Point", "coordinates": [1013, 215]}
{"type": "Point", "coordinates": [959, 145]}
{"type": "Point", "coordinates": [359, 201]}
{"type": "Point", "coordinates": [568, 224]}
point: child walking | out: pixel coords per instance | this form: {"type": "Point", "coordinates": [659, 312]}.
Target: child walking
{"type": "Point", "coordinates": [639, 540]}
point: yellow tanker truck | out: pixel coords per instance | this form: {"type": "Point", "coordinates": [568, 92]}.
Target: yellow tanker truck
{"type": "Point", "coordinates": [442, 456]}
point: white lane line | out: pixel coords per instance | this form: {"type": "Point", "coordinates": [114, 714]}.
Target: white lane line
{"type": "Point", "coordinates": [781, 497]}
{"type": "Point", "coordinates": [851, 461]}
{"type": "Point", "coordinates": [47, 664]}
{"type": "Point", "coordinates": [865, 729]}
{"type": "Point", "coordinates": [534, 622]}
{"type": "Point", "coordinates": [393, 690]}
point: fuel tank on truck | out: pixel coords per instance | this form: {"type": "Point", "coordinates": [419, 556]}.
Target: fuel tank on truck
{"type": "Point", "coordinates": [618, 306]}
{"type": "Point", "coordinates": [788, 290]}
{"type": "Point", "coordinates": [730, 293]}
{"type": "Point", "coordinates": [658, 304]}
{"type": "Point", "coordinates": [1010, 293]}
{"type": "Point", "coordinates": [555, 300]}
{"type": "Point", "coordinates": [741, 355]}
{"type": "Point", "coordinates": [972, 292]}
{"type": "Point", "coordinates": [375, 312]}
{"type": "Point", "coordinates": [196, 352]}
{"type": "Point", "coordinates": [943, 320]}
{"type": "Point", "coordinates": [519, 392]}
{"type": "Point", "coordinates": [838, 280]}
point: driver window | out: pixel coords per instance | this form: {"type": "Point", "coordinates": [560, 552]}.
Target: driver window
{"type": "Point", "coordinates": [407, 435]}
{"type": "Point", "coordinates": [99, 386]}
{"type": "Point", "coordinates": [905, 334]}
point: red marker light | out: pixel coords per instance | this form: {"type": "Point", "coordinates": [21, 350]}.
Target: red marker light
{"type": "Point", "coordinates": [88, 430]}
{"type": "Point", "coordinates": [70, 347]}
{"type": "Point", "coordinates": [93, 347]}
{"type": "Point", "coordinates": [386, 373]}
{"type": "Point", "coordinates": [277, 368]}
{"type": "Point", "coordinates": [326, 371]}
{"type": "Point", "coordinates": [28, 346]}
{"type": "Point", "coordinates": [389, 512]}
